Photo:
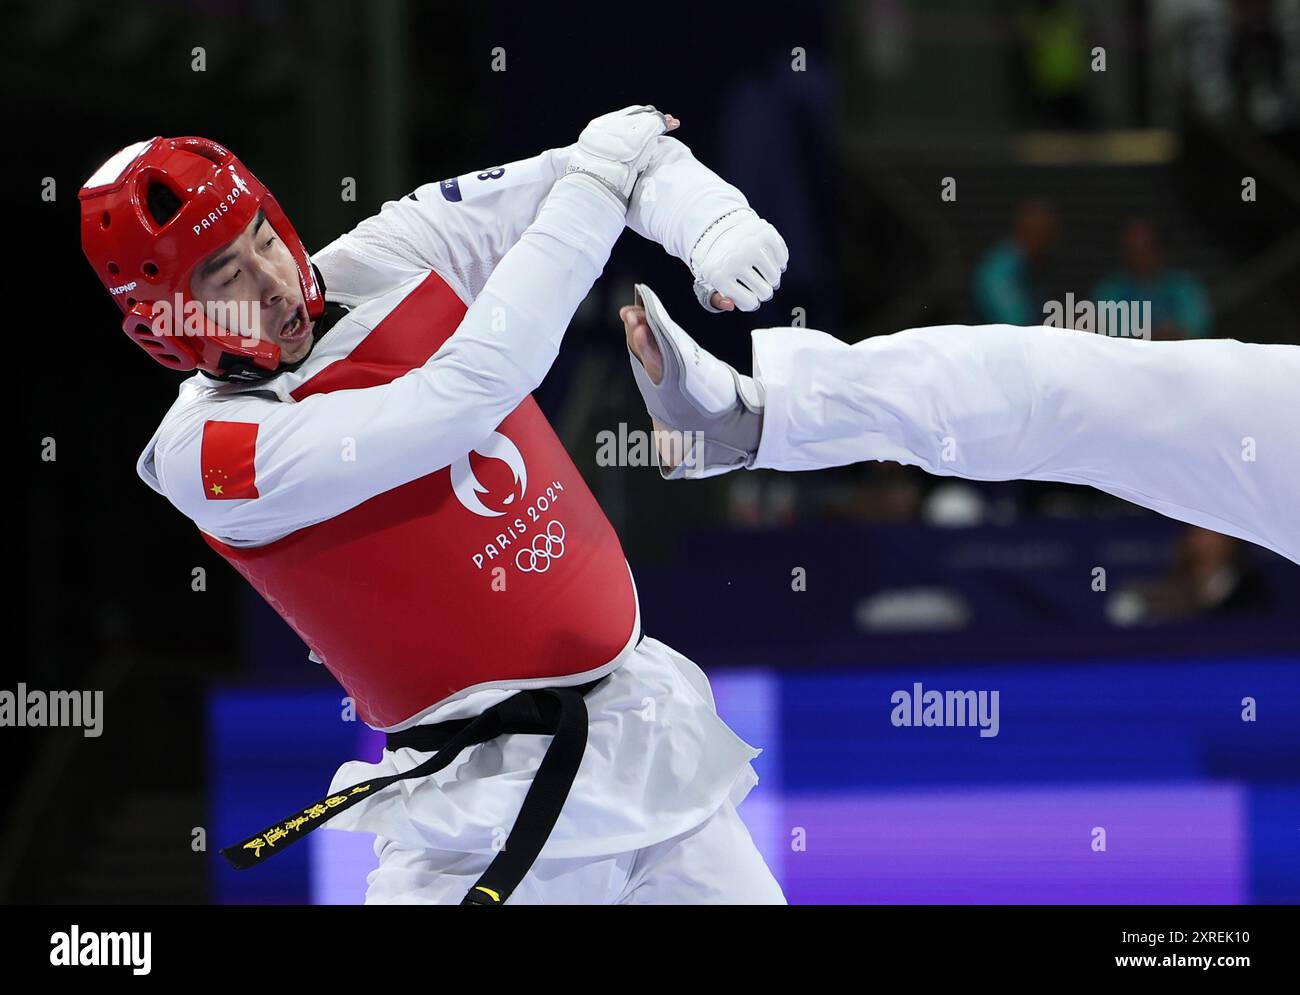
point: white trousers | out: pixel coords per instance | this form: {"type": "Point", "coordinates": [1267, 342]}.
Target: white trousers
{"type": "Point", "coordinates": [1206, 432]}
{"type": "Point", "coordinates": [716, 863]}
{"type": "Point", "coordinates": [651, 816]}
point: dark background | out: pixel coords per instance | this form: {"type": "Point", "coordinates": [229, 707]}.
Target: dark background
{"type": "Point", "coordinates": [844, 157]}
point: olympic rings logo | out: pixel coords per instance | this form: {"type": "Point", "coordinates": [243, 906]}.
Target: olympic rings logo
{"type": "Point", "coordinates": [545, 547]}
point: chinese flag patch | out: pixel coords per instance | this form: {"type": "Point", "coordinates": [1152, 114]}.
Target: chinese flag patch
{"type": "Point", "coordinates": [229, 448]}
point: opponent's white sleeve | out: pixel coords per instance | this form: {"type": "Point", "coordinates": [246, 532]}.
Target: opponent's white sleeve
{"type": "Point", "coordinates": [1201, 431]}
{"type": "Point", "coordinates": [419, 422]}
{"type": "Point", "coordinates": [461, 228]}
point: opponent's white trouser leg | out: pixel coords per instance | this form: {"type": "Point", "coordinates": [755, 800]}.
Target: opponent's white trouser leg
{"type": "Point", "coordinates": [1207, 432]}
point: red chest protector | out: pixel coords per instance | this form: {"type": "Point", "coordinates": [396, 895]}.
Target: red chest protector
{"type": "Point", "coordinates": [499, 568]}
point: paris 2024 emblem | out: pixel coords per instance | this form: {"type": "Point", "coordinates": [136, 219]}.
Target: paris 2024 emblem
{"type": "Point", "coordinates": [492, 481]}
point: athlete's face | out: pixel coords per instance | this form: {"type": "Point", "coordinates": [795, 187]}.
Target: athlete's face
{"type": "Point", "coordinates": [256, 281]}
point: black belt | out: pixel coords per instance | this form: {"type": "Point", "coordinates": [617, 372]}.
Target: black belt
{"type": "Point", "coordinates": [558, 712]}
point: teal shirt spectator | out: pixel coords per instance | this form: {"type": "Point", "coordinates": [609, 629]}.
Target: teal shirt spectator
{"type": "Point", "coordinates": [1177, 298]}
{"type": "Point", "coordinates": [1002, 288]}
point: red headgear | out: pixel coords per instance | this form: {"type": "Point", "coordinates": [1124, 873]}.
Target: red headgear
{"type": "Point", "coordinates": [143, 260]}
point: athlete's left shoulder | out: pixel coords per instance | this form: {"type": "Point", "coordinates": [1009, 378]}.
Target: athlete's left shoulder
{"type": "Point", "coordinates": [356, 270]}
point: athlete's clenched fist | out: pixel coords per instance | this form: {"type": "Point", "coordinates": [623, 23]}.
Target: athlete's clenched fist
{"type": "Point", "coordinates": [741, 257]}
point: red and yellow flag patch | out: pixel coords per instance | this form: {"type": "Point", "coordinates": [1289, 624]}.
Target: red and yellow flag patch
{"type": "Point", "coordinates": [227, 460]}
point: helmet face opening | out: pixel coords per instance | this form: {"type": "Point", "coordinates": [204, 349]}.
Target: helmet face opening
{"type": "Point", "coordinates": [151, 214]}
{"type": "Point", "coordinates": [163, 203]}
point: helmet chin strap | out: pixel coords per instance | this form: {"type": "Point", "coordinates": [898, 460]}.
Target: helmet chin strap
{"type": "Point", "coordinates": [239, 369]}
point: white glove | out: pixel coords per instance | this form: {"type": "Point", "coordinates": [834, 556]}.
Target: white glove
{"type": "Point", "coordinates": [742, 257]}
{"type": "Point", "coordinates": [615, 148]}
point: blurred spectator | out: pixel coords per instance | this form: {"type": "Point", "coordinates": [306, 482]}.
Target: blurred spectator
{"type": "Point", "coordinates": [964, 504]}
{"type": "Point", "coordinates": [1234, 60]}
{"type": "Point", "coordinates": [1211, 576]}
{"type": "Point", "coordinates": [1257, 65]}
{"type": "Point", "coordinates": [779, 144]}
{"type": "Point", "coordinates": [1004, 286]}
{"type": "Point", "coordinates": [1180, 305]}
{"type": "Point", "coordinates": [878, 492]}
{"type": "Point", "coordinates": [1054, 55]}
{"type": "Point", "coordinates": [755, 502]}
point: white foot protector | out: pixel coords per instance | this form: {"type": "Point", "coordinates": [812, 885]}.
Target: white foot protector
{"type": "Point", "coordinates": [714, 413]}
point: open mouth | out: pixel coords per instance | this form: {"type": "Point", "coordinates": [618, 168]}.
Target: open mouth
{"type": "Point", "coordinates": [295, 328]}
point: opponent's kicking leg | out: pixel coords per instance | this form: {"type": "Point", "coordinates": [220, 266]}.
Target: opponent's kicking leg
{"type": "Point", "coordinates": [1202, 431]}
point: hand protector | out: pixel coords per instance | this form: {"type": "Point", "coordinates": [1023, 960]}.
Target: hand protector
{"type": "Point", "coordinates": [714, 414]}
{"type": "Point", "coordinates": [615, 148]}
{"type": "Point", "coordinates": [742, 257]}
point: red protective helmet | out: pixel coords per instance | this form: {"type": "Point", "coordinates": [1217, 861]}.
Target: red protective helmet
{"type": "Point", "coordinates": [143, 260]}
